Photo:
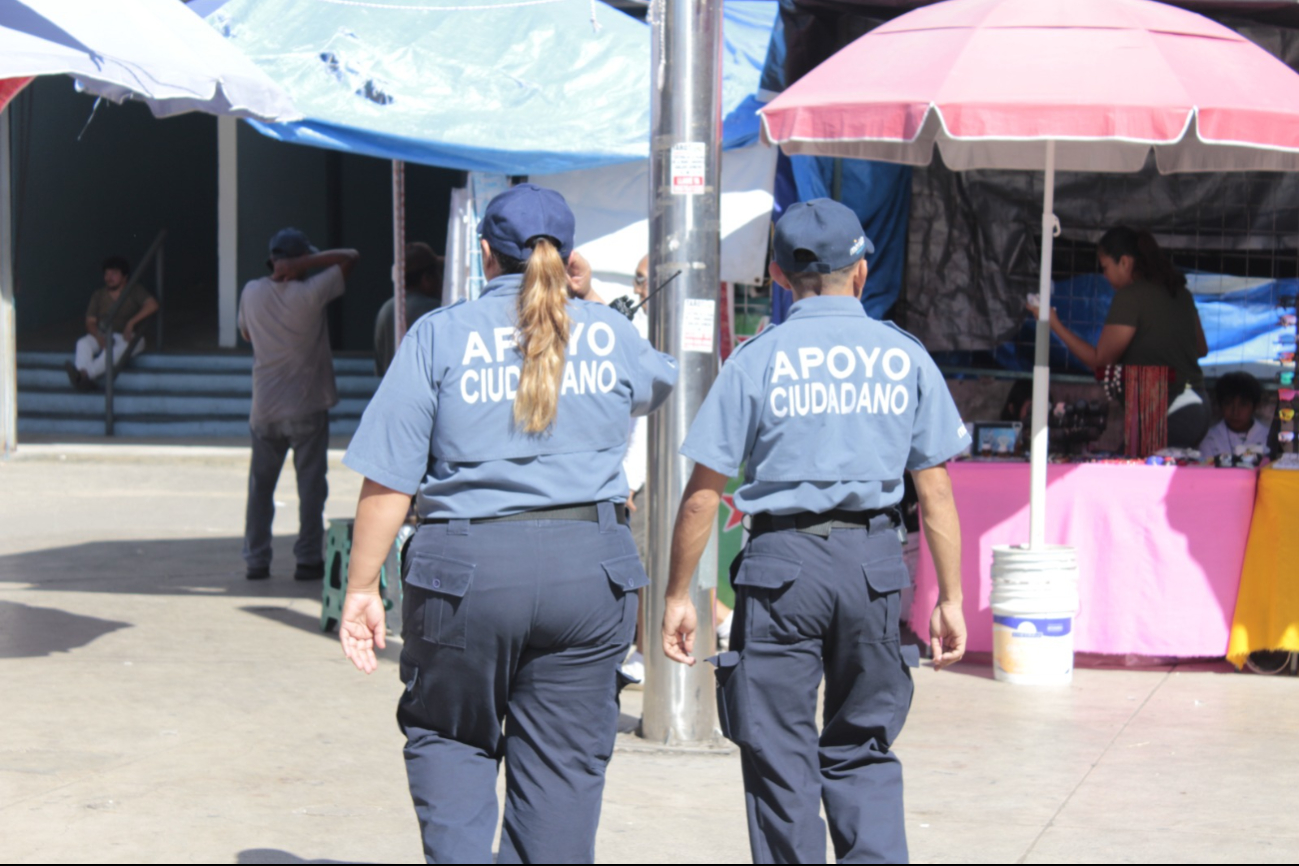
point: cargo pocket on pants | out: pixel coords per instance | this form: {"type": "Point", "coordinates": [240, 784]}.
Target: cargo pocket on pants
{"type": "Point", "coordinates": [886, 577]}
{"type": "Point", "coordinates": [627, 575]}
{"type": "Point", "coordinates": [759, 579]}
{"type": "Point", "coordinates": [734, 713]}
{"type": "Point", "coordinates": [442, 585]}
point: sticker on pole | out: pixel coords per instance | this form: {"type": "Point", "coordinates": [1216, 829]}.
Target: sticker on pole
{"type": "Point", "coordinates": [699, 325]}
{"type": "Point", "coordinates": [689, 163]}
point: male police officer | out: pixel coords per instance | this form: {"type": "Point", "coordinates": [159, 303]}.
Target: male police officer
{"type": "Point", "coordinates": [823, 413]}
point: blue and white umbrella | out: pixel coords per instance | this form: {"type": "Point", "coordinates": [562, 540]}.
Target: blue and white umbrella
{"type": "Point", "coordinates": [155, 51]}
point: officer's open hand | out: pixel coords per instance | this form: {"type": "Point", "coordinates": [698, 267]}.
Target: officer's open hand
{"type": "Point", "coordinates": [679, 626]}
{"type": "Point", "coordinates": [947, 634]}
{"type": "Point", "coordinates": [361, 629]}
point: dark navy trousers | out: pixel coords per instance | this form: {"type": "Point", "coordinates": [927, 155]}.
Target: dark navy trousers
{"type": "Point", "coordinates": [809, 606]}
{"type": "Point", "coordinates": [512, 640]}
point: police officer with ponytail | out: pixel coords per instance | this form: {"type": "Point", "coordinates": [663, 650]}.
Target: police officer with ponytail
{"type": "Point", "coordinates": [507, 418]}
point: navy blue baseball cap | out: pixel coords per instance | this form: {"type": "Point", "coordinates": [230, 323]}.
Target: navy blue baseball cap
{"type": "Point", "coordinates": [290, 244]}
{"type": "Point", "coordinates": [827, 229]}
{"type": "Point", "coordinates": [523, 213]}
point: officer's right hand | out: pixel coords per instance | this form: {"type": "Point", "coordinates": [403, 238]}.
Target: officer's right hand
{"type": "Point", "coordinates": [361, 629]}
{"type": "Point", "coordinates": [679, 626]}
{"type": "Point", "coordinates": [947, 634]}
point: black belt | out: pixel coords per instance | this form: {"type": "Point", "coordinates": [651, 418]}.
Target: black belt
{"type": "Point", "coordinates": [588, 512]}
{"type": "Point", "coordinates": [814, 523]}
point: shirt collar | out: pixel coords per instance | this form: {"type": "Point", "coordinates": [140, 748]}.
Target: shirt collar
{"type": "Point", "coordinates": [503, 286]}
{"type": "Point", "coordinates": [827, 305]}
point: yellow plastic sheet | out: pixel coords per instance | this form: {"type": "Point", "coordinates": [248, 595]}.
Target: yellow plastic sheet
{"type": "Point", "coordinates": [1267, 607]}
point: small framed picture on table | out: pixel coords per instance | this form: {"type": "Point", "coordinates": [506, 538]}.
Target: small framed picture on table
{"type": "Point", "coordinates": [998, 438]}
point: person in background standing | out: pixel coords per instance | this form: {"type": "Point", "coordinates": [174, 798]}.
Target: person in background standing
{"type": "Point", "coordinates": [636, 467]}
{"type": "Point", "coordinates": [423, 295]}
{"type": "Point", "coordinates": [283, 316]}
{"type": "Point", "coordinates": [1152, 321]}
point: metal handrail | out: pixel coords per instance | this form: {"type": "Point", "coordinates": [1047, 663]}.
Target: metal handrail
{"type": "Point", "coordinates": [110, 369]}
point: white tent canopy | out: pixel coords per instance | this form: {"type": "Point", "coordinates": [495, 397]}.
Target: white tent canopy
{"type": "Point", "coordinates": [612, 209]}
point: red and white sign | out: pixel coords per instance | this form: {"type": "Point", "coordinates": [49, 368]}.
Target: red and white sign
{"type": "Point", "coordinates": [688, 166]}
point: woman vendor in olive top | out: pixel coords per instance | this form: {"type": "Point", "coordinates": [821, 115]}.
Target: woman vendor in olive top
{"type": "Point", "coordinates": [1153, 321]}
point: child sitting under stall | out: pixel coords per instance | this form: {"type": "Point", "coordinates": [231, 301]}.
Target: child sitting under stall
{"type": "Point", "coordinates": [1239, 395]}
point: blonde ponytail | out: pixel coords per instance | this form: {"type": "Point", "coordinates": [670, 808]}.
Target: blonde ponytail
{"type": "Point", "coordinates": [543, 337]}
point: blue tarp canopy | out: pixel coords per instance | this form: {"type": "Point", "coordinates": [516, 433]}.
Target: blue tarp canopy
{"type": "Point", "coordinates": [478, 85]}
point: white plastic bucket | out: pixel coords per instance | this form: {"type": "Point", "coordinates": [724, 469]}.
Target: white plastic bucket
{"type": "Point", "coordinates": [1034, 599]}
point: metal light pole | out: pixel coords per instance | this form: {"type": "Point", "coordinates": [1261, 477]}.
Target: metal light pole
{"type": "Point", "coordinates": [8, 330]}
{"type": "Point", "coordinates": [399, 323]}
{"type": "Point", "coordinates": [685, 180]}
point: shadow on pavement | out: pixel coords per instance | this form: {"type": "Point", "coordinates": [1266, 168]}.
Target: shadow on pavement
{"type": "Point", "coordinates": [31, 632]}
{"type": "Point", "coordinates": [978, 665]}
{"type": "Point", "coordinates": [311, 623]}
{"type": "Point", "coordinates": [172, 566]}
{"type": "Point", "coordinates": [275, 855]}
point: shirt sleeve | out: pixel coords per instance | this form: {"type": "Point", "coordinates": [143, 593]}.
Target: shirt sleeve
{"type": "Point", "coordinates": [724, 431]}
{"type": "Point", "coordinates": [938, 434]}
{"type": "Point", "coordinates": [1125, 309]}
{"type": "Point", "coordinates": [653, 375]}
{"type": "Point", "coordinates": [1258, 435]}
{"type": "Point", "coordinates": [392, 443]}
{"type": "Point", "coordinates": [1214, 442]}
{"type": "Point", "coordinates": [383, 337]}
{"type": "Point", "coordinates": [326, 285]}
{"type": "Point", "coordinates": [94, 308]}
{"type": "Point", "coordinates": [635, 465]}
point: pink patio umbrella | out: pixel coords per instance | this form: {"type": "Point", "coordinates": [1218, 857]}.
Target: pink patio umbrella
{"type": "Point", "coordinates": [1045, 84]}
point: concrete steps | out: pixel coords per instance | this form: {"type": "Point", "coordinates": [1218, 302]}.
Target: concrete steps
{"type": "Point", "coordinates": [168, 395]}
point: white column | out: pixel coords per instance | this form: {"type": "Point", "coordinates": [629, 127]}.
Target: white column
{"type": "Point", "coordinates": [1041, 367]}
{"type": "Point", "coordinates": [227, 231]}
{"type": "Point", "coordinates": [8, 329]}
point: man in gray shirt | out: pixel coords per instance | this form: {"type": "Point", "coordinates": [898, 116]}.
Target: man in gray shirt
{"type": "Point", "coordinates": [283, 316]}
{"type": "Point", "coordinates": [423, 295]}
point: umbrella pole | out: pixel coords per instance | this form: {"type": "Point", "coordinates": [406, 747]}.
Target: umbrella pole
{"type": "Point", "coordinates": [1041, 365]}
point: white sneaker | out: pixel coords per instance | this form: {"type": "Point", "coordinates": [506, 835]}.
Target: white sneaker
{"type": "Point", "coordinates": [724, 632]}
{"type": "Point", "coordinates": [634, 667]}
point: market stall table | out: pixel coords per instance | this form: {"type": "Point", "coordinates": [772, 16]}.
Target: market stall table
{"type": "Point", "coordinates": [1267, 608]}
{"type": "Point", "coordinates": [1160, 551]}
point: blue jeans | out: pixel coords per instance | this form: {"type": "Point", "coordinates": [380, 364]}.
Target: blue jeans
{"type": "Point", "coordinates": [308, 436]}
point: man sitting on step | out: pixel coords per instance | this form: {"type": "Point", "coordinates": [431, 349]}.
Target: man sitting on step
{"type": "Point", "coordinates": [127, 312]}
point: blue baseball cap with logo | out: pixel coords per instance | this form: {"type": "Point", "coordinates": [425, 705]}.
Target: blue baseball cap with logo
{"type": "Point", "coordinates": [514, 219]}
{"type": "Point", "coordinates": [290, 243]}
{"type": "Point", "coordinates": [830, 231]}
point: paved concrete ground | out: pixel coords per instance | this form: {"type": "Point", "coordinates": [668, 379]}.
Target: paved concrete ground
{"type": "Point", "coordinates": [156, 707]}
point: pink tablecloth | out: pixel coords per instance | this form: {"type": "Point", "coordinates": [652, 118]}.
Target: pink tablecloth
{"type": "Point", "coordinates": [1160, 551]}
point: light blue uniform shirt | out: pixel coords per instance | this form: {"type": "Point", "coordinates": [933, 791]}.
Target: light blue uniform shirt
{"type": "Point", "coordinates": [826, 410]}
{"type": "Point", "coordinates": [442, 422]}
